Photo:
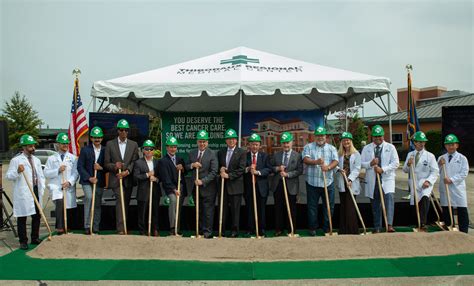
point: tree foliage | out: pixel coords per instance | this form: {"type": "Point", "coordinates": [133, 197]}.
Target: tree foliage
{"type": "Point", "coordinates": [355, 125]}
{"type": "Point", "coordinates": [21, 118]}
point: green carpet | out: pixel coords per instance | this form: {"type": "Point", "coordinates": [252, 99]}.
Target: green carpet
{"type": "Point", "coordinates": [18, 266]}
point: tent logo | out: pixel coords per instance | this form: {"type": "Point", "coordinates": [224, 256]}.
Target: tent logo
{"type": "Point", "coordinates": [240, 59]}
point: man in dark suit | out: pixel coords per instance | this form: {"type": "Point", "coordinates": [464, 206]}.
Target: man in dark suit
{"type": "Point", "coordinates": [231, 168]}
{"type": "Point", "coordinates": [258, 165]}
{"type": "Point", "coordinates": [205, 162]}
{"type": "Point", "coordinates": [286, 163]}
{"type": "Point", "coordinates": [90, 160]}
{"type": "Point", "coordinates": [169, 166]}
{"type": "Point", "coordinates": [144, 171]}
{"type": "Point", "coordinates": [120, 155]}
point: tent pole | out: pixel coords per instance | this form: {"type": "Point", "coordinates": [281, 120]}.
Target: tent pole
{"type": "Point", "coordinates": [389, 117]}
{"type": "Point", "coordinates": [94, 102]}
{"type": "Point", "coordinates": [240, 118]}
{"type": "Point", "coordinates": [347, 122]}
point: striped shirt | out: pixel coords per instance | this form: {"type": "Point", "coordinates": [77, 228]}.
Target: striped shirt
{"type": "Point", "coordinates": [314, 175]}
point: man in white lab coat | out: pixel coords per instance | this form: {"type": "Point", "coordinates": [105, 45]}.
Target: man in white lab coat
{"type": "Point", "coordinates": [380, 157]}
{"type": "Point", "coordinates": [457, 169]}
{"type": "Point", "coordinates": [61, 170]}
{"type": "Point", "coordinates": [426, 173]}
{"type": "Point", "coordinates": [23, 202]}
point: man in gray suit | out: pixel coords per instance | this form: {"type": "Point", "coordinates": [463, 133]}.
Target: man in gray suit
{"type": "Point", "coordinates": [232, 167]}
{"type": "Point", "coordinates": [286, 163]}
{"type": "Point", "coordinates": [204, 161]}
{"type": "Point", "coordinates": [120, 155]}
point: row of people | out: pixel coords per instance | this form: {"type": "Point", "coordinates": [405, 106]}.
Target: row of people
{"type": "Point", "coordinates": [235, 169]}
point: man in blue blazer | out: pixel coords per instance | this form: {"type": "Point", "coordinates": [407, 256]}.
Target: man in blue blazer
{"type": "Point", "coordinates": [92, 159]}
{"type": "Point", "coordinates": [258, 164]}
{"type": "Point", "coordinates": [169, 166]}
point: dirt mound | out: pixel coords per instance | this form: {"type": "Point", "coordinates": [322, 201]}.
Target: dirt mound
{"type": "Point", "coordinates": [246, 249]}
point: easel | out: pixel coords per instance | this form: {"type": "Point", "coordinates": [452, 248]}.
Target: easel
{"type": "Point", "coordinates": [3, 210]}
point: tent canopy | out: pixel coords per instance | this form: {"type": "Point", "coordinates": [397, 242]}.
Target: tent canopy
{"type": "Point", "coordinates": [242, 78]}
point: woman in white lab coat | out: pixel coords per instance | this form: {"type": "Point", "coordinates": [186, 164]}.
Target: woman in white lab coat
{"type": "Point", "coordinates": [457, 169]}
{"type": "Point", "coordinates": [61, 170]}
{"type": "Point", "coordinates": [426, 173]}
{"type": "Point", "coordinates": [23, 202]}
{"type": "Point", "coordinates": [349, 163]}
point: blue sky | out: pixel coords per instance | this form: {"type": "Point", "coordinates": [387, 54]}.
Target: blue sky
{"type": "Point", "coordinates": [43, 41]}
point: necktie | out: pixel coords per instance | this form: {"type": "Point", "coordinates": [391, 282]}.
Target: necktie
{"type": "Point", "coordinates": [285, 159]}
{"type": "Point", "coordinates": [33, 171]}
{"type": "Point", "coordinates": [174, 160]}
{"type": "Point", "coordinates": [378, 150]}
{"type": "Point", "coordinates": [417, 158]}
{"type": "Point", "coordinates": [450, 157]}
{"type": "Point", "coordinates": [62, 157]}
{"type": "Point", "coordinates": [227, 159]}
{"type": "Point", "coordinates": [254, 159]}
{"type": "Point", "coordinates": [199, 156]}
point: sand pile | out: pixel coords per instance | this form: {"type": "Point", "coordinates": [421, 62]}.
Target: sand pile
{"type": "Point", "coordinates": [246, 249]}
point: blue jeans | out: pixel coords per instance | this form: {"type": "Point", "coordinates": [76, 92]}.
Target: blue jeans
{"type": "Point", "coordinates": [313, 194]}
{"type": "Point", "coordinates": [377, 208]}
{"type": "Point", "coordinates": [87, 206]}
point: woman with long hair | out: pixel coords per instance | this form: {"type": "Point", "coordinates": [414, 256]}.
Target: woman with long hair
{"type": "Point", "coordinates": [349, 164]}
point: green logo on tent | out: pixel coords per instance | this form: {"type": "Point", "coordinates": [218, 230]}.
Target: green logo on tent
{"type": "Point", "coordinates": [240, 59]}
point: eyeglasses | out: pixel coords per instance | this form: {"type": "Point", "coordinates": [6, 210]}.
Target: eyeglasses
{"type": "Point", "coordinates": [123, 130]}
{"type": "Point", "coordinates": [148, 149]}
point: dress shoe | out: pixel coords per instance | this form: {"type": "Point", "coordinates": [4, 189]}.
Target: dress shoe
{"type": "Point", "coordinates": [375, 231]}
{"type": "Point", "coordinates": [156, 233]}
{"type": "Point", "coordinates": [278, 233]}
{"type": "Point", "coordinates": [60, 231]}
{"type": "Point", "coordinates": [312, 232]}
{"type": "Point", "coordinates": [262, 233]}
{"type": "Point", "coordinates": [208, 235]}
{"type": "Point", "coordinates": [234, 234]}
{"type": "Point", "coordinates": [423, 228]}
{"type": "Point", "coordinates": [24, 246]}
{"type": "Point", "coordinates": [390, 229]}
{"type": "Point", "coordinates": [120, 232]}
{"type": "Point", "coordinates": [36, 241]}
{"type": "Point", "coordinates": [87, 231]}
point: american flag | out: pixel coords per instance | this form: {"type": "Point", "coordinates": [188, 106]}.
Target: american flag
{"type": "Point", "coordinates": [78, 124]}
{"type": "Point", "coordinates": [412, 118]}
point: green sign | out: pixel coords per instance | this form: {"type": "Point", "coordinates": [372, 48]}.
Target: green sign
{"type": "Point", "coordinates": [185, 126]}
{"type": "Point", "coordinates": [240, 59]}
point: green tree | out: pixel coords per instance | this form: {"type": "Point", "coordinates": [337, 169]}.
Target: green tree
{"type": "Point", "coordinates": [21, 117]}
{"type": "Point", "coordinates": [355, 125]}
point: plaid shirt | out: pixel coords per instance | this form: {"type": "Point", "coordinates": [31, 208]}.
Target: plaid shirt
{"type": "Point", "coordinates": [314, 175]}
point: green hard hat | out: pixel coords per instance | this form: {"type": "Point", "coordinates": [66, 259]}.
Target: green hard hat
{"type": "Point", "coordinates": [96, 132]}
{"type": "Point", "coordinates": [202, 135]}
{"type": "Point", "coordinates": [450, 139]}
{"type": "Point", "coordinates": [230, 133]}
{"type": "Point", "coordinates": [377, 130]}
{"type": "Point", "coordinates": [346, 135]}
{"type": "Point", "coordinates": [26, 139]}
{"type": "Point", "coordinates": [420, 136]}
{"type": "Point", "coordinates": [148, 143]}
{"type": "Point", "coordinates": [62, 138]}
{"type": "Point", "coordinates": [320, 131]}
{"type": "Point", "coordinates": [286, 137]}
{"type": "Point", "coordinates": [255, 138]}
{"type": "Point", "coordinates": [123, 124]}
{"type": "Point", "coordinates": [171, 141]}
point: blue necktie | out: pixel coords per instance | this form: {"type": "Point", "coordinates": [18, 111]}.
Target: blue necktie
{"type": "Point", "coordinates": [62, 157]}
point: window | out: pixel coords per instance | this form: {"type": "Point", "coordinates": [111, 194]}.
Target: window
{"type": "Point", "coordinates": [397, 137]}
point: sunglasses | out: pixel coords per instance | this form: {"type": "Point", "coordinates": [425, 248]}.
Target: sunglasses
{"type": "Point", "coordinates": [148, 149]}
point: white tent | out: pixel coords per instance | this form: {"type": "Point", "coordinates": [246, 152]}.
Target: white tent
{"type": "Point", "coordinates": [242, 79]}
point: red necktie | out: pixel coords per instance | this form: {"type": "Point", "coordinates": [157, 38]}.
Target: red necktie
{"type": "Point", "coordinates": [254, 160]}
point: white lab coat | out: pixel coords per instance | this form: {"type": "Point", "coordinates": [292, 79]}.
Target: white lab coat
{"type": "Point", "coordinates": [425, 170]}
{"type": "Point", "coordinates": [390, 163]}
{"type": "Point", "coordinates": [354, 164]}
{"type": "Point", "coordinates": [23, 202]}
{"type": "Point", "coordinates": [457, 170]}
{"type": "Point", "coordinates": [51, 171]}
